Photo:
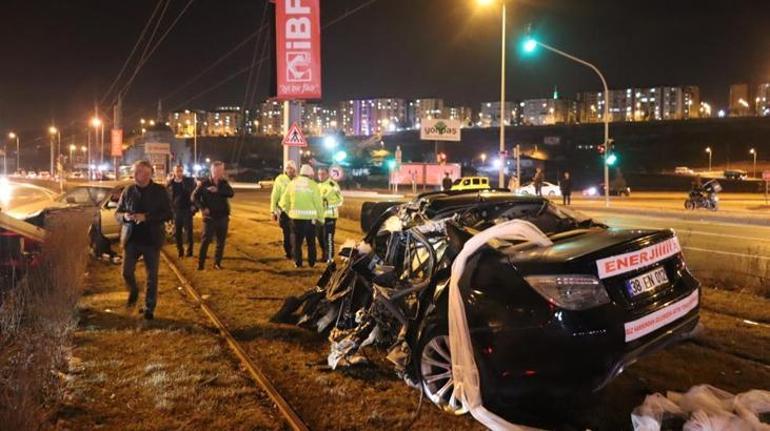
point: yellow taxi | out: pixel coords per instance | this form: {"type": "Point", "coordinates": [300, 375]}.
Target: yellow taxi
{"type": "Point", "coordinates": [471, 183]}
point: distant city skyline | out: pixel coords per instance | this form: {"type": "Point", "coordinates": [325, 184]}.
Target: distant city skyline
{"type": "Point", "coordinates": [394, 48]}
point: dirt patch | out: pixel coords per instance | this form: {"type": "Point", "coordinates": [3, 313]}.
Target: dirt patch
{"type": "Point", "coordinates": [169, 373]}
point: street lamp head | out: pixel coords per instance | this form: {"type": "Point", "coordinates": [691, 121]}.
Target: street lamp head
{"type": "Point", "coordinates": [96, 122]}
{"type": "Point", "coordinates": [73, 147]}
{"type": "Point", "coordinates": [752, 151]}
{"type": "Point", "coordinates": [484, 2]}
{"type": "Point", "coordinates": [708, 150]}
{"type": "Point", "coordinates": [529, 45]}
{"type": "Point", "coordinates": [11, 135]}
{"type": "Point", "coordinates": [52, 130]}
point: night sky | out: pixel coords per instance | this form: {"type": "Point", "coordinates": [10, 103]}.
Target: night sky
{"type": "Point", "coordinates": [59, 56]}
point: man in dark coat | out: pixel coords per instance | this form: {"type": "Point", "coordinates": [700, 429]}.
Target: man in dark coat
{"type": "Point", "coordinates": [180, 189]}
{"type": "Point", "coordinates": [566, 189]}
{"type": "Point", "coordinates": [211, 196]}
{"type": "Point", "coordinates": [446, 183]}
{"type": "Point", "coordinates": [537, 181]}
{"type": "Point", "coordinates": [143, 209]}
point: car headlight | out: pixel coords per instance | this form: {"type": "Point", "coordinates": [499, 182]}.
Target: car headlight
{"type": "Point", "coordinates": [570, 291]}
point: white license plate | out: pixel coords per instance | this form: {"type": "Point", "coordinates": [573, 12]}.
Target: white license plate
{"type": "Point", "coordinates": [647, 281]}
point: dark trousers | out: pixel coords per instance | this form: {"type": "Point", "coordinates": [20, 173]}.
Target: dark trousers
{"type": "Point", "coordinates": [285, 222]}
{"type": "Point", "coordinates": [325, 234]}
{"type": "Point", "coordinates": [183, 229]}
{"type": "Point", "coordinates": [151, 254]}
{"type": "Point", "coordinates": [213, 227]}
{"type": "Point", "coordinates": [304, 231]}
{"type": "Point", "coordinates": [538, 190]}
{"type": "Point", "coordinates": [566, 198]}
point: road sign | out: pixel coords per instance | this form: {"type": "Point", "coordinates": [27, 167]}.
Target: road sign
{"type": "Point", "coordinates": [157, 148]}
{"type": "Point", "coordinates": [440, 130]}
{"type": "Point", "coordinates": [298, 47]}
{"type": "Point", "coordinates": [765, 175]}
{"type": "Point", "coordinates": [336, 173]}
{"type": "Point", "coordinates": [295, 138]}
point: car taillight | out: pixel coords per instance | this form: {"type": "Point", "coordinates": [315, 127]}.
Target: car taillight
{"type": "Point", "coordinates": [570, 291]}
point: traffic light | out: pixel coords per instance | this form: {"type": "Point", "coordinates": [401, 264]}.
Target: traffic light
{"type": "Point", "coordinates": [612, 158]}
{"type": "Point", "coordinates": [601, 148]}
{"type": "Point", "coordinates": [391, 164]}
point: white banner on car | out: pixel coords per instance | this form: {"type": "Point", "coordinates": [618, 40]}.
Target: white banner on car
{"type": "Point", "coordinates": [654, 321]}
{"type": "Point", "coordinates": [631, 261]}
{"type": "Point", "coordinates": [465, 372]}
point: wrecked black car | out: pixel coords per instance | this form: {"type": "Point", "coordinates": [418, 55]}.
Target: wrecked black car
{"type": "Point", "coordinates": [554, 320]}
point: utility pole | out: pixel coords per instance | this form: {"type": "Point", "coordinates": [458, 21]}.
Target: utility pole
{"type": "Point", "coordinates": [292, 113]}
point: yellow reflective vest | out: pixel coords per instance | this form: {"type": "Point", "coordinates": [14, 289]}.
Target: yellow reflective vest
{"type": "Point", "coordinates": [302, 200]}
{"type": "Point", "coordinates": [331, 196]}
{"type": "Point", "coordinates": [279, 186]}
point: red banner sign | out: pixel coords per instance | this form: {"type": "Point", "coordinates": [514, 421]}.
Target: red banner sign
{"type": "Point", "coordinates": [298, 49]}
{"type": "Point", "coordinates": [117, 143]}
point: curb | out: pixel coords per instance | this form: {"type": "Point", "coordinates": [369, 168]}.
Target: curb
{"type": "Point", "coordinates": [747, 219]}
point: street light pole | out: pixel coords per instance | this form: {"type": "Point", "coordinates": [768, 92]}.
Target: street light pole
{"type": "Point", "coordinates": [606, 113]}
{"type": "Point", "coordinates": [754, 169]}
{"type": "Point", "coordinates": [501, 175]}
{"type": "Point", "coordinates": [708, 150]}
{"type": "Point", "coordinates": [16, 137]}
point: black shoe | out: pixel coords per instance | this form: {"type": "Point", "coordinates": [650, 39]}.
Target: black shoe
{"type": "Point", "coordinates": [131, 301]}
{"type": "Point", "coordinates": [218, 267]}
{"type": "Point", "coordinates": [189, 253]}
{"type": "Point", "coordinates": [311, 264]}
{"type": "Point", "coordinates": [288, 256]}
{"type": "Point", "coordinates": [180, 254]}
{"type": "Point", "coordinates": [148, 315]}
{"type": "Point", "coordinates": [200, 267]}
{"type": "Point", "coordinates": [297, 265]}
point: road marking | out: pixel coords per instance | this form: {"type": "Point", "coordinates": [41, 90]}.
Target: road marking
{"type": "Point", "coordinates": [699, 232]}
{"type": "Point", "coordinates": [728, 253]}
{"type": "Point", "coordinates": [710, 223]}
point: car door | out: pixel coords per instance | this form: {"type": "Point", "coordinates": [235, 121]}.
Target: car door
{"type": "Point", "coordinates": [110, 226]}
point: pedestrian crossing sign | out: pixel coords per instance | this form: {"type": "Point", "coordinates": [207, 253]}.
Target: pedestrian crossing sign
{"type": "Point", "coordinates": [295, 138]}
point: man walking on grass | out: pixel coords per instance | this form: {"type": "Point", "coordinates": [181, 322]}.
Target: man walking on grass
{"type": "Point", "coordinates": [143, 209]}
{"type": "Point", "coordinates": [279, 187]}
{"type": "Point", "coordinates": [211, 196]}
{"type": "Point", "coordinates": [180, 189]}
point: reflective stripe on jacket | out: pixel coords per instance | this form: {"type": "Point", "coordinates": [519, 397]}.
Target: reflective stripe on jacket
{"type": "Point", "coordinates": [331, 196]}
{"type": "Point", "coordinates": [302, 200]}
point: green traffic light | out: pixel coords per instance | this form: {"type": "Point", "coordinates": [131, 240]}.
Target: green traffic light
{"type": "Point", "coordinates": [612, 159]}
{"type": "Point", "coordinates": [529, 45]}
{"type": "Point", "coordinates": [391, 164]}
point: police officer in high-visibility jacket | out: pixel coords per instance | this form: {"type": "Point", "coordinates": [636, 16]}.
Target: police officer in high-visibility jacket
{"type": "Point", "coordinates": [331, 197]}
{"type": "Point", "coordinates": [279, 187]}
{"type": "Point", "coordinates": [302, 202]}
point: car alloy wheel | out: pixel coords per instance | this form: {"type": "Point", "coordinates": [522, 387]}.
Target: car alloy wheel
{"type": "Point", "coordinates": [436, 375]}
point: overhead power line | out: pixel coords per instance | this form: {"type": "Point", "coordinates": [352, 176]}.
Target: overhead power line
{"type": "Point", "coordinates": [133, 51]}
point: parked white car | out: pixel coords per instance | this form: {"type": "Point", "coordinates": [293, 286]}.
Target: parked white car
{"type": "Point", "coordinates": [549, 189]}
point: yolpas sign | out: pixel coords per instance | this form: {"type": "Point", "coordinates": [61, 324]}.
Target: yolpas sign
{"type": "Point", "coordinates": [440, 130]}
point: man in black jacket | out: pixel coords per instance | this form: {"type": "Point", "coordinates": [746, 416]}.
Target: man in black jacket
{"type": "Point", "coordinates": [143, 209]}
{"type": "Point", "coordinates": [180, 190]}
{"type": "Point", "coordinates": [211, 197]}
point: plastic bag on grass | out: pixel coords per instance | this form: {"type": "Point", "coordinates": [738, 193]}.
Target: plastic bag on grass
{"type": "Point", "coordinates": [724, 421]}
{"type": "Point", "coordinates": [657, 413]}
{"type": "Point", "coordinates": [754, 407]}
{"type": "Point", "coordinates": [703, 397]}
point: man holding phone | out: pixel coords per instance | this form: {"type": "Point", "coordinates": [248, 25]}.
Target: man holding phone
{"type": "Point", "coordinates": [143, 209]}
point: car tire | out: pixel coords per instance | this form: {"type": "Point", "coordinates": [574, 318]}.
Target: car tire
{"type": "Point", "coordinates": [434, 371]}
{"type": "Point", "coordinates": [689, 204]}
{"type": "Point", "coordinates": [551, 194]}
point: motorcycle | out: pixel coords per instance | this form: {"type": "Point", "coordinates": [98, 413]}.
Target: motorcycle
{"type": "Point", "coordinates": [704, 197]}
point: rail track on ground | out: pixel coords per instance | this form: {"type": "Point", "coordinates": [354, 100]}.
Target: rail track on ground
{"type": "Point", "coordinates": [288, 413]}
